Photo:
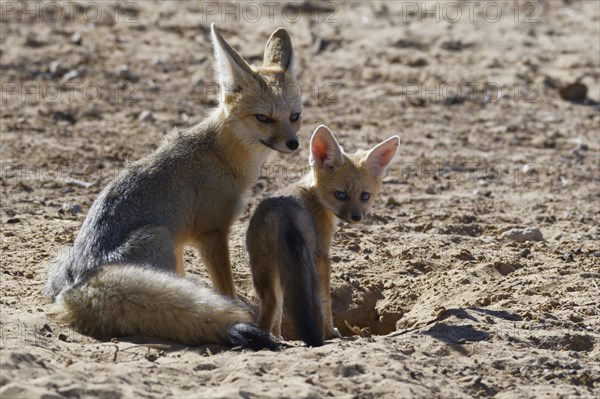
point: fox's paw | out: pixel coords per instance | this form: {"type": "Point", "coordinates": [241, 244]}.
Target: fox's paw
{"type": "Point", "coordinates": [333, 333]}
{"type": "Point", "coordinates": [277, 338]}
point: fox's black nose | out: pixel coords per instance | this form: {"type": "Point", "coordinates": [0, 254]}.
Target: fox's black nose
{"type": "Point", "coordinates": [292, 144]}
{"type": "Point", "coordinates": [356, 217]}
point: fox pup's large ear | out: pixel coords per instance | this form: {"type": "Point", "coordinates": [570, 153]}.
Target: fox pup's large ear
{"type": "Point", "coordinates": [325, 152]}
{"type": "Point", "coordinates": [231, 67]}
{"type": "Point", "coordinates": [380, 156]}
{"type": "Point", "coordinates": [279, 51]}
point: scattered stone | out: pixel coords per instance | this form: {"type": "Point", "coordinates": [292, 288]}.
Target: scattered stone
{"type": "Point", "coordinates": [529, 169]}
{"type": "Point", "coordinates": [76, 39]}
{"type": "Point", "coordinates": [483, 193]}
{"type": "Point", "coordinates": [582, 146]}
{"type": "Point", "coordinates": [72, 209]}
{"type": "Point", "coordinates": [206, 367]}
{"type": "Point", "coordinates": [56, 68]}
{"type": "Point", "coordinates": [63, 337]}
{"type": "Point", "coordinates": [392, 202]}
{"type": "Point", "coordinates": [29, 275]}
{"type": "Point", "coordinates": [430, 190]}
{"type": "Point", "coordinates": [146, 116]}
{"type": "Point", "coordinates": [454, 45]}
{"type": "Point", "coordinates": [418, 63]}
{"type": "Point", "coordinates": [151, 356]}
{"type": "Point", "coordinates": [465, 255]}
{"type": "Point", "coordinates": [575, 319]}
{"type": "Point", "coordinates": [523, 235]}
{"type": "Point", "coordinates": [319, 45]}
{"type": "Point", "coordinates": [454, 100]}
{"type": "Point", "coordinates": [124, 72]}
{"type": "Point", "coordinates": [574, 92]}
{"type": "Point", "coordinates": [76, 73]}
{"type": "Point", "coordinates": [578, 342]}
{"type": "Point", "coordinates": [79, 183]}
{"type": "Point", "coordinates": [568, 257]}
{"type": "Point", "coordinates": [13, 220]}
{"type": "Point", "coordinates": [574, 364]}
{"type": "Point", "coordinates": [525, 253]}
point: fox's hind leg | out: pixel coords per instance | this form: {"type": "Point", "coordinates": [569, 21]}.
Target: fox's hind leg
{"type": "Point", "coordinates": [271, 305]}
{"type": "Point", "coordinates": [276, 330]}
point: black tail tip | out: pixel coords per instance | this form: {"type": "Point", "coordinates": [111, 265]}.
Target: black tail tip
{"type": "Point", "coordinates": [250, 336]}
{"type": "Point", "coordinates": [311, 337]}
{"type": "Point", "coordinates": [314, 341]}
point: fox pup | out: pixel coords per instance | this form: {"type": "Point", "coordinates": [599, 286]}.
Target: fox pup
{"type": "Point", "coordinates": [124, 273]}
{"type": "Point", "coordinates": [289, 234]}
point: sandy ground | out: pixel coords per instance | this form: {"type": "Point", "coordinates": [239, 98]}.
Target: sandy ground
{"type": "Point", "coordinates": [435, 295]}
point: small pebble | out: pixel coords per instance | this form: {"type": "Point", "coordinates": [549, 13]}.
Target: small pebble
{"type": "Point", "coordinates": [146, 116]}
{"type": "Point", "coordinates": [56, 68]}
{"type": "Point", "coordinates": [76, 38]}
{"type": "Point", "coordinates": [525, 253]}
{"type": "Point", "coordinates": [575, 365]}
{"type": "Point", "coordinates": [71, 75]}
{"type": "Point", "coordinates": [522, 235]}
{"type": "Point", "coordinates": [72, 209]}
{"type": "Point", "coordinates": [568, 256]}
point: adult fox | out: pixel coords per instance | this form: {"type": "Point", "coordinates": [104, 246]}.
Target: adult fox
{"type": "Point", "coordinates": [124, 273]}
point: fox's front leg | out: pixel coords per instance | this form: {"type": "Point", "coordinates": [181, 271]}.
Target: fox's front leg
{"type": "Point", "coordinates": [214, 248]}
{"type": "Point", "coordinates": [324, 269]}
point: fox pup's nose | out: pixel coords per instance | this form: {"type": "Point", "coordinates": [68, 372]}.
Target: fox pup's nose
{"type": "Point", "coordinates": [356, 217]}
{"type": "Point", "coordinates": [292, 144]}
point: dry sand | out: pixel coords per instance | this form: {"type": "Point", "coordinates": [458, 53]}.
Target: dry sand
{"type": "Point", "coordinates": [447, 300]}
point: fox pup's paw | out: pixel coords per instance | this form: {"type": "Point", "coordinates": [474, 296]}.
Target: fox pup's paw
{"type": "Point", "coordinates": [333, 333]}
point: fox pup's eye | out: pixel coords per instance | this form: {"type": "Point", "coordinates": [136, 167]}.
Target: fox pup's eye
{"type": "Point", "coordinates": [263, 118]}
{"type": "Point", "coordinates": [340, 196]}
{"type": "Point", "coordinates": [364, 196]}
{"type": "Point", "coordinates": [295, 116]}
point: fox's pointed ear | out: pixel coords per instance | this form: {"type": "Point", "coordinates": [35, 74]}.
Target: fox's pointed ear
{"type": "Point", "coordinates": [380, 156]}
{"type": "Point", "coordinates": [325, 152]}
{"type": "Point", "coordinates": [279, 51]}
{"type": "Point", "coordinates": [231, 67]}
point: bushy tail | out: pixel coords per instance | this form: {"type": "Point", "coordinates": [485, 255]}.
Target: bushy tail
{"type": "Point", "coordinates": [124, 300]}
{"type": "Point", "coordinates": [301, 286]}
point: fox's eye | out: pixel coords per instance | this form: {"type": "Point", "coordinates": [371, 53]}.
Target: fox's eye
{"type": "Point", "coordinates": [295, 116]}
{"type": "Point", "coordinates": [364, 196]}
{"type": "Point", "coordinates": [263, 118]}
{"type": "Point", "coordinates": [340, 196]}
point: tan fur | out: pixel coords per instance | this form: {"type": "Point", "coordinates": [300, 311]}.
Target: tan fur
{"type": "Point", "coordinates": [130, 248]}
{"type": "Point", "coordinates": [315, 217]}
{"type": "Point", "coordinates": [173, 308]}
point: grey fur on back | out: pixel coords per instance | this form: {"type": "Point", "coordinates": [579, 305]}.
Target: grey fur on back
{"type": "Point", "coordinates": [296, 251]}
{"type": "Point", "coordinates": [134, 217]}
